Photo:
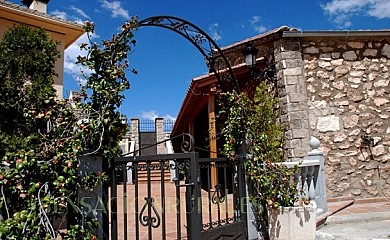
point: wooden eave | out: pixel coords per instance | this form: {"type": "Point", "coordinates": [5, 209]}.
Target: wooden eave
{"type": "Point", "coordinates": [196, 98]}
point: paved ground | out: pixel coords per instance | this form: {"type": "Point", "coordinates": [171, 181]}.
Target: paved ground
{"type": "Point", "coordinates": [357, 220]}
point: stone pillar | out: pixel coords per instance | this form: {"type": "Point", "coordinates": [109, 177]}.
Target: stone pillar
{"type": "Point", "coordinates": [135, 133]}
{"type": "Point", "coordinates": [320, 195]}
{"type": "Point", "coordinates": [293, 97]}
{"type": "Point", "coordinates": [160, 136]}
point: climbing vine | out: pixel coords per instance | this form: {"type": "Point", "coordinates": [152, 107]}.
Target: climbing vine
{"type": "Point", "coordinates": [256, 121]}
{"type": "Point", "coordinates": [43, 139]}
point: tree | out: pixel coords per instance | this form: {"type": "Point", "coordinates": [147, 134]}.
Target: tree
{"type": "Point", "coordinates": [27, 58]}
{"type": "Point", "coordinates": [43, 139]}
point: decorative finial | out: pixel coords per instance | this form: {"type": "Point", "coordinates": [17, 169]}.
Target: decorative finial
{"type": "Point", "coordinates": [314, 143]}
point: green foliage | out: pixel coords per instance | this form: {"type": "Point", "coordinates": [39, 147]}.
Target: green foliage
{"type": "Point", "coordinates": [256, 119]}
{"type": "Point", "coordinates": [42, 139]}
{"type": "Point", "coordinates": [107, 81]}
{"type": "Point", "coordinates": [26, 76]}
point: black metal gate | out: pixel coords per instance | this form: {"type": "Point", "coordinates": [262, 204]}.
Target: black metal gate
{"type": "Point", "coordinates": [178, 196]}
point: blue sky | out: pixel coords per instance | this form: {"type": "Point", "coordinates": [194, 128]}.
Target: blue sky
{"type": "Point", "coordinates": [166, 62]}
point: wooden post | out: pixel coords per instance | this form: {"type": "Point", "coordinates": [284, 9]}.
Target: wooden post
{"type": "Point", "coordinates": [212, 134]}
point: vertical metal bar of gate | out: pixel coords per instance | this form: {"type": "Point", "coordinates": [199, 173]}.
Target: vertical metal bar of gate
{"type": "Point", "coordinates": [242, 190]}
{"type": "Point", "coordinates": [148, 201]}
{"type": "Point", "coordinates": [124, 185]}
{"type": "Point", "coordinates": [226, 192]}
{"type": "Point", "coordinates": [114, 220]}
{"type": "Point", "coordinates": [218, 199]}
{"type": "Point", "coordinates": [177, 199]}
{"type": "Point", "coordinates": [136, 208]}
{"type": "Point", "coordinates": [194, 214]}
{"type": "Point", "coordinates": [162, 189]}
{"type": "Point", "coordinates": [209, 167]}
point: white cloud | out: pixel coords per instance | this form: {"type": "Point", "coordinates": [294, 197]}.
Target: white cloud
{"type": "Point", "coordinates": [66, 16]}
{"type": "Point", "coordinates": [60, 14]}
{"type": "Point", "coordinates": [214, 32]}
{"type": "Point", "coordinates": [254, 21]}
{"type": "Point", "coordinates": [79, 11]}
{"type": "Point", "coordinates": [260, 29]}
{"type": "Point", "coordinates": [152, 115]}
{"type": "Point", "coordinates": [116, 9]}
{"type": "Point", "coordinates": [341, 11]}
{"type": "Point", "coordinates": [70, 59]}
{"type": "Point", "coordinates": [380, 9]}
{"type": "Point", "coordinates": [73, 51]}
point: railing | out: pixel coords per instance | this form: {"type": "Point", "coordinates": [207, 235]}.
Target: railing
{"type": "Point", "coordinates": [147, 125]}
{"type": "Point", "coordinates": [310, 178]}
{"type": "Point", "coordinates": [168, 125]}
{"type": "Point", "coordinates": [306, 177]}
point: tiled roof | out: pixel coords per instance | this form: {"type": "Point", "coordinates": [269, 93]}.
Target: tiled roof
{"type": "Point", "coordinates": [260, 36]}
{"type": "Point", "coordinates": [21, 8]}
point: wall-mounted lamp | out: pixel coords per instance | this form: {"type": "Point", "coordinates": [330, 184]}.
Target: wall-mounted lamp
{"type": "Point", "coordinates": [250, 54]}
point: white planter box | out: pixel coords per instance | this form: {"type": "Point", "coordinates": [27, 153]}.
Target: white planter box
{"type": "Point", "coordinates": [289, 223]}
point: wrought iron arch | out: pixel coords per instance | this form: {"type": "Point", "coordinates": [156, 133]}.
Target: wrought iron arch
{"type": "Point", "coordinates": [215, 59]}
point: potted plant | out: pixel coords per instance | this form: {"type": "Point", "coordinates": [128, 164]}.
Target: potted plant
{"type": "Point", "coordinates": [287, 213]}
{"type": "Point", "coordinates": [274, 196]}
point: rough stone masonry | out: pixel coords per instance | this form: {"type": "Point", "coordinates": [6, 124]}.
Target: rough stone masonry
{"type": "Point", "coordinates": [347, 83]}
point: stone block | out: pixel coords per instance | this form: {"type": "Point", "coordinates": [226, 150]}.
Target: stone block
{"type": "Point", "coordinates": [380, 101]}
{"type": "Point", "coordinates": [297, 71]}
{"type": "Point", "coordinates": [300, 152]}
{"type": "Point", "coordinates": [291, 55]}
{"type": "Point", "coordinates": [296, 123]}
{"type": "Point", "coordinates": [386, 50]}
{"type": "Point", "coordinates": [328, 124]}
{"type": "Point", "coordinates": [290, 46]}
{"type": "Point", "coordinates": [291, 80]}
{"type": "Point", "coordinates": [293, 63]}
{"type": "Point", "coordinates": [293, 107]}
{"type": "Point", "coordinates": [370, 53]}
{"type": "Point", "coordinates": [350, 56]}
{"type": "Point", "coordinates": [298, 115]}
{"type": "Point", "coordinates": [341, 70]}
{"type": "Point", "coordinates": [357, 45]}
{"type": "Point", "coordinates": [337, 62]}
{"type": "Point", "coordinates": [295, 143]}
{"type": "Point", "coordinates": [350, 121]}
{"type": "Point", "coordinates": [300, 133]}
{"type": "Point", "coordinates": [296, 97]}
{"type": "Point", "coordinates": [311, 50]}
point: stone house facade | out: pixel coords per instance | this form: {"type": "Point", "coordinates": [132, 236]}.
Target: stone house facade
{"type": "Point", "coordinates": [347, 85]}
{"type": "Point", "coordinates": [333, 85]}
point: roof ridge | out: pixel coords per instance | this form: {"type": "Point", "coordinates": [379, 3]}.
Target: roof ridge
{"type": "Point", "coordinates": [261, 35]}
{"type": "Point", "coordinates": [37, 13]}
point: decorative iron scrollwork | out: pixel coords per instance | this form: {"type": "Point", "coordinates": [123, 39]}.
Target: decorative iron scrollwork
{"type": "Point", "coordinates": [218, 195]}
{"type": "Point", "coordinates": [147, 219]}
{"type": "Point", "coordinates": [202, 41]}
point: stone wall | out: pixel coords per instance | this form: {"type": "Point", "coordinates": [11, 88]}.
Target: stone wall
{"type": "Point", "coordinates": [348, 89]}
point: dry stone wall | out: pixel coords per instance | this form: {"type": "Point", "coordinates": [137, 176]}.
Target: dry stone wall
{"type": "Point", "coordinates": [348, 97]}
